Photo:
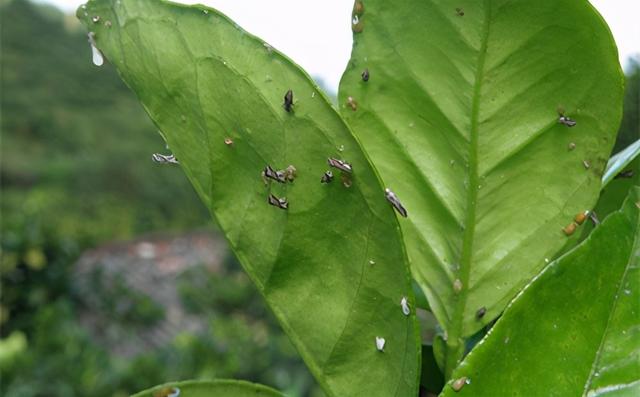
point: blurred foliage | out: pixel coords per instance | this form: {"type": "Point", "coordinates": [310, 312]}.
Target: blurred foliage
{"type": "Point", "coordinates": [630, 126]}
{"type": "Point", "coordinates": [76, 171]}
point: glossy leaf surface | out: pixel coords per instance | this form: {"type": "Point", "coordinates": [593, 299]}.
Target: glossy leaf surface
{"type": "Point", "coordinates": [460, 113]}
{"type": "Point", "coordinates": [574, 331]}
{"type": "Point", "coordinates": [332, 266]}
{"type": "Point", "coordinates": [619, 161]}
{"type": "Point", "coordinates": [218, 388]}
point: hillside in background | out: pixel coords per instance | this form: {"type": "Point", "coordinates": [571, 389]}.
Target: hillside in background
{"type": "Point", "coordinates": [75, 174]}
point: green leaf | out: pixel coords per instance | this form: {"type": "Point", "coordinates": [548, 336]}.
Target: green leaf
{"type": "Point", "coordinates": [618, 162]}
{"type": "Point", "coordinates": [332, 266]}
{"type": "Point", "coordinates": [460, 115]}
{"type": "Point", "coordinates": [574, 330]}
{"type": "Point", "coordinates": [218, 388]}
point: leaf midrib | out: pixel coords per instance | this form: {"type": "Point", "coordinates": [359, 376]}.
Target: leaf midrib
{"type": "Point", "coordinates": [455, 330]}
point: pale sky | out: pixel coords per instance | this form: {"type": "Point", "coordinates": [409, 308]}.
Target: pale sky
{"type": "Point", "coordinates": [317, 34]}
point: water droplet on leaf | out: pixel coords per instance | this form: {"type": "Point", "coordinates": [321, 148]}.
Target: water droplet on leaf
{"type": "Point", "coordinates": [97, 57]}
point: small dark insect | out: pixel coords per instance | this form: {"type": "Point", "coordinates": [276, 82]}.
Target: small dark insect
{"type": "Point", "coordinates": [570, 229]}
{"type": "Point", "coordinates": [327, 177]}
{"type": "Point", "coordinates": [340, 164]}
{"type": "Point", "coordinates": [275, 175]}
{"type": "Point", "coordinates": [481, 312]}
{"type": "Point", "coordinates": [352, 104]}
{"type": "Point", "coordinates": [288, 101]}
{"type": "Point", "coordinates": [594, 218]}
{"type": "Point", "coordinates": [566, 121]}
{"type": "Point", "coordinates": [167, 392]}
{"type": "Point", "coordinates": [459, 12]}
{"type": "Point", "coordinates": [625, 174]}
{"type": "Point", "coordinates": [580, 218]}
{"type": "Point", "coordinates": [278, 202]}
{"type": "Point", "coordinates": [164, 159]}
{"type": "Point", "coordinates": [365, 75]}
{"type": "Point", "coordinates": [393, 199]}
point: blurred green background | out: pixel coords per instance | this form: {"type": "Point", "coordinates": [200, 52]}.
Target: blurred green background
{"type": "Point", "coordinates": [113, 277]}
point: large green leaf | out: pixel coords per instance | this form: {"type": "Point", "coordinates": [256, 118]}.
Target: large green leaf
{"type": "Point", "coordinates": [217, 388]}
{"type": "Point", "coordinates": [575, 330]}
{"type": "Point", "coordinates": [460, 114]}
{"type": "Point", "coordinates": [332, 266]}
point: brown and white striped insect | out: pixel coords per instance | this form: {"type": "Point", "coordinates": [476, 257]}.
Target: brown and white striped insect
{"type": "Point", "coordinates": [566, 121]}
{"type": "Point", "coordinates": [393, 199]}
{"type": "Point", "coordinates": [288, 101]}
{"type": "Point", "coordinates": [164, 159]}
{"type": "Point", "coordinates": [278, 176]}
{"type": "Point", "coordinates": [340, 164]}
{"type": "Point", "coordinates": [281, 203]}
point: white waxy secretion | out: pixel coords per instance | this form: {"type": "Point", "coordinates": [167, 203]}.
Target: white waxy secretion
{"type": "Point", "coordinates": [380, 343]}
{"type": "Point", "coordinates": [98, 59]}
{"type": "Point", "coordinates": [406, 310]}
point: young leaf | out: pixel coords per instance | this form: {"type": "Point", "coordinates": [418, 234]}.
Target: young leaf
{"type": "Point", "coordinates": [331, 265]}
{"type": "Point", "coordinates": [574, 330]}
{"type": "Point", "coordinates": [468, 112]}
{"type": "Point", "coordinates": [219, 388]}
{"type": "Point", "coordinates": [619, 161]}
